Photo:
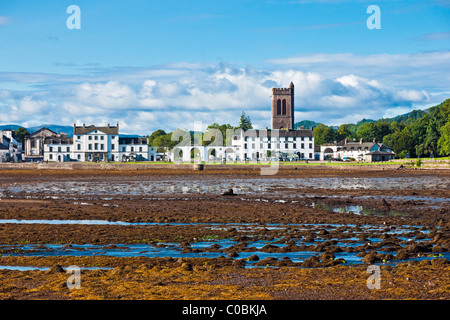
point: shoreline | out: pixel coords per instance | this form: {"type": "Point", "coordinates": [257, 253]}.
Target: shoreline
{"type": "Point", "coordinates": [406, 221]}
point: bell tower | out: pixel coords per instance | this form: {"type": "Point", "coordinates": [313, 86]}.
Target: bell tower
{"type": "Point", "coordinates": [283, 107]}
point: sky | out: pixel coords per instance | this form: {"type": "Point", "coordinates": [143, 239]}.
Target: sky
{"type": "Point", "coordinates": [171, 64]}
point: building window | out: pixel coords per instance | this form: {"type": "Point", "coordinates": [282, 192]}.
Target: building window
{"type": "Point", "coordinates": [245, 146]}
{"type": "Point", "coordinates": [295, 139]}
{"type": "Point", "coordinates": [79, 157]}
{"type": "Point", "coordinates": [112, 137]}
{"type": "Point", "coordinates": [132, 149]}
{"type": "Point", "coordinates": [50, 156]}
{"type": "Point", "coordinates": [78, 146]}
{"type": "Point", "coordinates": [95, 146]}
{"type": "Point", "coordinates": [310, 155]}
{"type": "Point", "coordinates": [90, 146]}
{"type": "Point", "coordinates": [102, 137]}
{"type": "Point", "coordinates": [68, 149]}
{"type": "Point", "coordinates": [50, 149]}
{"type": "Point", "coordinates": [303, 145]}
{"type": "Point", "coordinates": [295, 146]}
{"type": "Point", "coordinates": [78, 137]}
{"type": "Point", "coordinates": [112, 146]}
{"type": "Point", "coordinates": [303, 139]}
{"type": "Point", "coordinates": [90, 137]}
{"type": "Point", "coordinates": [310, 145]}
{"type": "Point", "coordinates": [102, 146]}
{"type": "Point", "coordinates": [123, 149]}
{"type": "Point", "coordinates": [278, 107]}
{"type": "Point", "coordinates": [96, 138]}
{"type": "Point", "coordinates": [59, 149]}
{"type": "Point", "coordinates": [140, 149]}
{"type": "Point", "coordinates": [284, 107]}
{"type": "Point", "coordinates": [286, 146]}
{"type": "Point", "coordinates": [269, 146]}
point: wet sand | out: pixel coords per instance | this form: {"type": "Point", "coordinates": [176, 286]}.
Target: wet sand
{"type": "Point", "coordinates": [401, 224]}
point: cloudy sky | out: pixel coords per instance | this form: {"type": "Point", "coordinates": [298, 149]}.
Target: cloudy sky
{"type": "Point", "coordinates": [152, 64]}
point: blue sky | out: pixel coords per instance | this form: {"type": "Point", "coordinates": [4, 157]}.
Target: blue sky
{"type": "Point", "coordinates": [165, 64]}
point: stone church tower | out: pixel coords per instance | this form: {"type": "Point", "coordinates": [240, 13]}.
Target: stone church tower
{"type": "Point", "coordinates": [283, 108]}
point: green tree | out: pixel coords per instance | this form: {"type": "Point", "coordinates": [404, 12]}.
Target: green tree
{"type": "Point", "coordinates": [244, 122]}
{"type": "Point", "coordinates": [401, 142]}
{"type": "Point", "coordinates": [21, 133]}
{"type": "Point", "coordinates": [366, 131]}
{"type": "Point", "coordinates": [323, 134]}
{"type": "Point", "coordinates": [444, 140]}
{"type": "Point", "coordinates": [223, 130]}
{"type": "Point", "coordinates": [343, 132]}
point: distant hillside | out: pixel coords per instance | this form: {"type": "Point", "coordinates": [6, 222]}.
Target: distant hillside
{"type": "Point", "coordinates": [308, 124]}
{"type": "Point", "coordinates": [54, 127]}
{"type": "Point", "coordinates": [417, 133]}
{"type": "Point", "coordinates": [9, 127]}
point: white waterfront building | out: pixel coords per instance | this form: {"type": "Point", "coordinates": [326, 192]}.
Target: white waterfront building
{"type": "Point", "coordinates": [281, 142]}
{"type": "Point", "coordinates": [98, 143]}
{"type": "Point", "coordinates": [252, 145]}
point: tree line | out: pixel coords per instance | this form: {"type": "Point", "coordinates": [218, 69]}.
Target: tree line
{"type": "Point", "coordinates": [163, 140]}
{"type": "Point", "coordinates": [419, 133]}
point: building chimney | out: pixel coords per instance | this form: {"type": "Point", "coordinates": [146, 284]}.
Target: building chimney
{"type": "Point", "coordinates": [345, 140]}
{"type": "Point", "coordinates": [360, 141]}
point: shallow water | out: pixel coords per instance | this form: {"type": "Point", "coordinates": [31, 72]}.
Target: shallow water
{"type": "Point", "coordinates": [240, 186]}
{"type": "Point", "coordinates": [203, 249]}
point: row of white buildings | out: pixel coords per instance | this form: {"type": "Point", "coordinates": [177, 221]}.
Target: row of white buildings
{"type": "Point", "coordinates": [253, 145]}
{"type": "Point", "coordinates": [91, 143]}
{"type": "Point", "coordinates": [10, 146]}
{"type": "Point", "coordinates": [281, 142]}
{"type": "Point", "coordinates": [104, 143]}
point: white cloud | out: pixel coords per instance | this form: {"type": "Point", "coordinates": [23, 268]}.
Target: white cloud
{"type": "Point", "coordinates": [174, 96]}
{"type": "Point", "coordinates": [29, 106]}
{"type": "Point", "coordinates": [109, 95]}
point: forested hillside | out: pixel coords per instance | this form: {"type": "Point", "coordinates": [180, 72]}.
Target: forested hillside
{"type": "Point", "coordinates": [419, 133]}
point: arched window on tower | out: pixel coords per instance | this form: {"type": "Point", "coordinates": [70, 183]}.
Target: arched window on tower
{"type": "Point", "coordinates": [278, 107]}
{"type": "Point", "coordinates": [284, 107]}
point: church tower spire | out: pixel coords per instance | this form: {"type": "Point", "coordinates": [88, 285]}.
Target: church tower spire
{"type": "Point", "coordinates": [283, 107]}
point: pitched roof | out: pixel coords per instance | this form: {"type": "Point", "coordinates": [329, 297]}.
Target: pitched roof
{"type": "Point", "coordinates": [42, 130]}
{"type": "Point", "coordinates": [132, 140]}
{"type": "Point", "coordinates": [58, 140]}
{"type": "Point", "coordinates": [282, 133]}
{"type": "Point", "coordinates": [87, 129]}
{"type": "Point", "coordinates": [347, 145]}
{"type": "Point", "coordinates": [380, 153]}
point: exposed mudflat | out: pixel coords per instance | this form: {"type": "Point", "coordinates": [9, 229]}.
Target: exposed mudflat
{"type": "Point", "coordinates": [305, 233]}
